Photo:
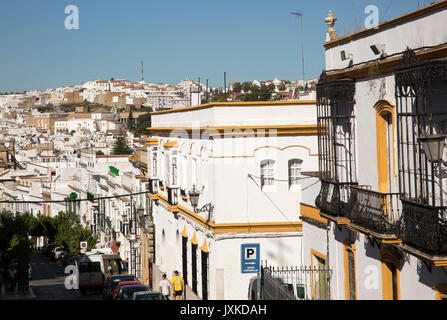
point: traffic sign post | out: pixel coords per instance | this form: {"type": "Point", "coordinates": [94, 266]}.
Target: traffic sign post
{"type": "Point", "coordinates": [84, 246]}
{"type": "Point", "coordinates": [250, 258]}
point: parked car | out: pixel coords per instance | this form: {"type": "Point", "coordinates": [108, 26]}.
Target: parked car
{"type": "Point", "coordinates": [112, 282]}
{"type": "Point", "coordinates": [123, 284]}
{"type": "Point", "coordinates": [148, 295]}
{"type": "Point", "coordinates": [126, 292]}
{"type": "Point", "coordinates": [94, 267]}
{"type": "Point", "coordinates": [57, 253]}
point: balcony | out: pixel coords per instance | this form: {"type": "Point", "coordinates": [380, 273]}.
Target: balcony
{"type": "Point", "coordinates": [153, 186]}
{"type": "Point", "coordinates": [333, 201]}
{"type": "Point", "coordinates": [173, 196]}
{"type": "Point", "coordinates": [375, 211]}
{"type": "Point", "coordinates": [424, 228]}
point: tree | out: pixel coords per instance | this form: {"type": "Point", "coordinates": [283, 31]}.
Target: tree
{"type": "Point", "coordinates": [130, 123]}
{"type": "Point", "coordinates": [144, 121]}
{"type": "Point", "coordinates": [99, 153]}
{"type": "Point", "coordinates": [247, 87]}
{"type": "Point", "coordinates": [121, 146]}
{"type": "Point", "coordinates": [237, 87]}
{"type": "Point", "coordinates": [77, 235]}
{"type": "Point", "coordinates": [281, 87]}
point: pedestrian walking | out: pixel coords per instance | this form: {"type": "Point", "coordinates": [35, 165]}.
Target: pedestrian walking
{"type": "Point", "coordinates": [177, 286]}
{"type": "Point", "coordinates": [165, 287]}
{"type": "Point", "coordinates": [5, 276]}
{"type": "Point", "coordinates": [12, 278]}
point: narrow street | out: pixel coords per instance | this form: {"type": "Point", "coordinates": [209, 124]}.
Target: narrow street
{"type": "Point", "coordinates": [48, 281]}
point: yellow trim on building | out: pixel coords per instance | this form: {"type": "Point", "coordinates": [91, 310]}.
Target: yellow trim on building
{"type": "Point", "coordinates": [151, 142]}
{"type": "Point", "coordinates": [312, 213]}
{"type": "Point", "coordinates": [433, 7]}
{"type": "Point", "coordinates": [307, 129]}
{"type": "Point", "coordinates": [194, 239]}
{"type": "Point", "coordinates": [204, 246]}
{"type": "Point", "coordinates": [349, 246]}
{"type": "Point", "coordinates": [184, 232]}
{"type": "Point", "coordinates": [441, 291]}
{"type": "Point", "coordinates": [388, 257]}
{"type": "Point", "coordinates": [295, 226]}
{"type": "Point", "coordinates": [385, 66]}
{"type": "Point", "coordinates": [171, 144]}
{"type": "Point", "coordinates": [267, 147]}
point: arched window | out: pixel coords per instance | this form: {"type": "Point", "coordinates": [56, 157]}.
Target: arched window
{"type": "Point", "coordinates": [267, 173]}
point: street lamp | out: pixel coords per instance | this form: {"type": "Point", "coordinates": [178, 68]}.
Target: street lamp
{"type": "Point", "coordinates": [299, 14]}
{"type": "Point", "coordinates": [434, 146]}
{"type": "Point", "coordinates": [194, 198]}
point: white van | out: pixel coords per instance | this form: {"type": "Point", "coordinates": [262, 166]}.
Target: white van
{"type": "Point", "coordinates": [94, 267]}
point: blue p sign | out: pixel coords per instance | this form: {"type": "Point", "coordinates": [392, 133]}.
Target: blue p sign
{"type": "Point", "coordinates": [250, 258]}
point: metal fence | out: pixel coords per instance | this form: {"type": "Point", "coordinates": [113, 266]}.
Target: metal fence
{"type": "Point", "coordinates": [294, 283]}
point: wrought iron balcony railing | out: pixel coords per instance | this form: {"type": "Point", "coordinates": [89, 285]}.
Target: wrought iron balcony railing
{"type": "Point", "coordinates": [333, 198]}
{"type": "Point", "coordinates": [373, 210]}
{"type": "Point", "coordinates": [423, 227]}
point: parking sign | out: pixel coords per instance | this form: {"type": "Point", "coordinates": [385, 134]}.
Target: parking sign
{"type": "Point", "coordinates": [250, 258]}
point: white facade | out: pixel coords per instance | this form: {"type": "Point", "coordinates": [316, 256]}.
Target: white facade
{"type": "Point", "coordinates": [228, 171]}
{"type": "Point", "coordinates": [367, 261]}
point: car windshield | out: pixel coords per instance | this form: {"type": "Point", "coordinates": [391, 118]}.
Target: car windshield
{"type": "Point", "coordinates": [149, 296]}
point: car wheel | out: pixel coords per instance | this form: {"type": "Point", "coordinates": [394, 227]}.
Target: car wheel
{"type": "Point", "coordinates": [83, 292]}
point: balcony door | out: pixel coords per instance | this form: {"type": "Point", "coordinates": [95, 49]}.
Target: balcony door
{"type": "Point", "coordinates": [385, 145]}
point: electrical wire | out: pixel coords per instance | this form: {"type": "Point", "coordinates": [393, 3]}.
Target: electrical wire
{"type": "Point", "coordinates": [76, 200]}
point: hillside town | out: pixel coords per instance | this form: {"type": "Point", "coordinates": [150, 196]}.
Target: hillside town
{"type": "Point", "coordinates": [327, 189]}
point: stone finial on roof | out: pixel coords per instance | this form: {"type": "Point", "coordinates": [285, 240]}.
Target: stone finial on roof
{"type": "Point", "coordinates": [330, 21]}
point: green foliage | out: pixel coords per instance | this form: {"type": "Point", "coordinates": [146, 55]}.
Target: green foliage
{"type": "Point", "coordinates": [237, 87]}
{"type": "Point", "coordinates": [20, 247]}
{"type": "Point", "coordinates": [130, 124]}
{"type": "Point", "coordinates": [144, 121]}
{"type": "Point", "coordinates": [246, 87]}
{"type": "Point", "coordinates": [99, 153]}
{"type": "Point", "coordinates": [282, 87]}
{"type": "Point", "coordinates": [69, 234]}
{"type": "Point", "coordinates": [121, 146]}
{"type": "Point", "coordinates": [76, 236]}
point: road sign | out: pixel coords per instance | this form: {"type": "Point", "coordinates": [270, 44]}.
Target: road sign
{"type": "Point", "coordinates": [84, 245]}
{"type": "Point", "coordinates": [73, 196]}
{"type": "Point", "coordinates": [114, 171]}
{"type": "Point", "coordinates": [250, 258]}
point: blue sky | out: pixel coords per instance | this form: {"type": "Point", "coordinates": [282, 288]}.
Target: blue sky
{"type": "Point", "coordinates": [249, 39]}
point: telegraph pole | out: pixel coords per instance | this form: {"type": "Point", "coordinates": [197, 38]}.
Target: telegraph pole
{"type": "Point", "coordinates": [299, 14]}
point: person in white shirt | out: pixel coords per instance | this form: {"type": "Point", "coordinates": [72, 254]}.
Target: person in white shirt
{"type": "Point", "coordinates": [165, 287]}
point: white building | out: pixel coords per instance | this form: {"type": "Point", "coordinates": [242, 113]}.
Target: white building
{"type": "Point", "coordinates": [379, 220]}
{"type": "Point", "coordinates": [245, 159]}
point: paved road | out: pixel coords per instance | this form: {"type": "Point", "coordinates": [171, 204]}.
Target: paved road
{"type": "Point", "coordinates": [48, 281]}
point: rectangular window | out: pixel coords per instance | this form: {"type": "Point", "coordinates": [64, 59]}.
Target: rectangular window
{"type": "Point", "coordinates": [319, 277]}
{"type": "Point", "coordinates": [174, 171]}
{"type": "Point", "coordinates": [155, 163]}
{"type": "Point", "coordinates": [294, 172]}
{"type": "Point", "coordinates": [267, 173]}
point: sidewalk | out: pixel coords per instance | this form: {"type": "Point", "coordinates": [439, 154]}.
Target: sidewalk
{"type": "Point", "coordinates": [157, 274]}
{"type": "Point", "coordinates": [16, 295]}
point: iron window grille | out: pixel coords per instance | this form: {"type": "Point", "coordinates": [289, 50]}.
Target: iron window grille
{"type": "Point", "coordinates": [420, 103]}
